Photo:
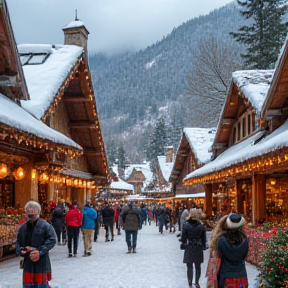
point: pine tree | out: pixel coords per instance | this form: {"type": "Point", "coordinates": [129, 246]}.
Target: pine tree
{"type": "Point", "coordinates": [121, 159]}
{"type": "Point", "coordinates": [266, 33]}
{"type": "Point", "coordinates": [158, 141]}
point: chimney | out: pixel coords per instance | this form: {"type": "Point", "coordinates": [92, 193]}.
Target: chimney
{"type": "Point", "coordinates": [169, 154]}
{"type": "Point", "coordinates": [75, 33]}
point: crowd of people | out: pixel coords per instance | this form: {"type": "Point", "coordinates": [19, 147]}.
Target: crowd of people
{"type": "Point", "coordinates": [36, 237]}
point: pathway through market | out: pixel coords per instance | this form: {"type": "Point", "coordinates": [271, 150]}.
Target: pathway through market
{"type": "Point", "coordinates": [157, 264]}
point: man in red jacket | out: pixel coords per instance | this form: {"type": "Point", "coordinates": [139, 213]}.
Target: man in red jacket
{"type": "Point", "coordinates": [73, 222]}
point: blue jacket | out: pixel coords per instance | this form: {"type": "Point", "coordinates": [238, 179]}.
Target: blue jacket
{"type": "Point", "coordinates": [89, 216]}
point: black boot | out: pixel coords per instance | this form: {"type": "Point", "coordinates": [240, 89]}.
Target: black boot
{"type": "Point", "coordinates": [197, 277]}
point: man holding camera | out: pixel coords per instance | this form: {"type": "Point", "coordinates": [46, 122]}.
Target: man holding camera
{"type": "Point", "coordinates": [34, 240]}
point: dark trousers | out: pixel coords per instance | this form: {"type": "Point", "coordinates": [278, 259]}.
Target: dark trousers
{"type": "Point", "coordinates": [190, 272]}
{"type": "Point", "coordinates": [131, 238]}
{"type": "Point", "coordinates": [73, 236]}
{"type": "Point", "coordinates": [109, 226]}
{"type": "Point", "coordinates": [161, 221]}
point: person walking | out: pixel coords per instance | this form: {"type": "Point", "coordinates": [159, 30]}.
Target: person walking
{"type": "Point", "coordinates": [96, 229]}
{"type": "Point", "coordinates": [35, 238]}
{"type": "Point", "coordinates": [88, 226]}
{"type": "Point", "coordinates": [130, 217]}
{"type": "Point", "coordinates": [230, 243]}
{"type": "Point", "coordinates": [58, 222]}
{"type": "Point", "coordinates": [73, 222]}
{"type": "Point", "coordinates": [194, 242]}
{"type": "Point", "coordinates": [160, 217]}
{"type": "Point", "coordinates": [108, 220]}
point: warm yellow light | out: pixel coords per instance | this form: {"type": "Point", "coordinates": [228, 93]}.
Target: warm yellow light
{"type": "Point", "coordinates": [44, 177]}
{"type": "Point", "coordinates": [273, 182]}
{"type": "Point", "coordinates": [33, 174]}
{"type": "Point", "coordinates": [3, 170]}
{"type": "Point", "coordinates": [19, 173]}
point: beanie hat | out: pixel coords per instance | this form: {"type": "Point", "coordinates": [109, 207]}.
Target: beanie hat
{"type": "Point", "coordinates": [234, 221]}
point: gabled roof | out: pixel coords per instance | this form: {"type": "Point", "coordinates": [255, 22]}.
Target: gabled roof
{"type": "Point", "coordinates": [44, 79]}
{"type": "Point", "coordinates": [277, 96]}
{"type": "Point", "coordinates": [12, 82]}
{"type": "Point", "coordinates": [143, 168]}
{"type": "Point", "coordinates": [165, 167]}
{"type": "Point", "coordinates": [56, 73]}
{"type": "Point", "coordinates": [248, 150]}
{"type": "Point", "coordinates": [197, 140]}
{"type": "Point", "coordinates": [248, 90]}
{"type": "Point", "coordinates": [121, 185]}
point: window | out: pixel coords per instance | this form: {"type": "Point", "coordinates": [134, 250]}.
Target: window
{"type": "Point", "coordinates": [33, 58]}
{"type": "Point", "coordinates": [243, 127]}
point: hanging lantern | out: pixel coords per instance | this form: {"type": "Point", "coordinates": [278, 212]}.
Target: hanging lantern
{"type": "Point", "coordinates": [3, 170]}
{"type": "Point", "coordinates": [19, 173]}
{"type": "Point", "coordinates": [44, 177]}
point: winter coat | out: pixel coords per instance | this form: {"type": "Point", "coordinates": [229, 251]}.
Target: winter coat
{"type": "Point", "coordinates": [58, 219]}
{"type": "Point", "coordinates": [108, 215]}
{"type": "Point", "coordinates": [194, 237]}
{"type": "Point", "coordinates": [43, 238]}
{"type": "Point", "coordinates": [74, 217]}
{"type": "Point", "coordinates": [232, 260]}
{"type": "Point", "coordinates": [130, 217]}
{"type": "Point", "coordinates": [89, 217]}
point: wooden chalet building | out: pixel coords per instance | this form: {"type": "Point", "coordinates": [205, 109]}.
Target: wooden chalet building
{"type": "Point", "coordinates": [192, 153]}
{"type": "Point", "coordinates": [49, 125]}
{"type": "Point", "coordinates": [249, 170]}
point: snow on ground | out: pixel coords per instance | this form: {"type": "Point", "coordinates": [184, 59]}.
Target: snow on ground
{"type": "Point", "coordinates": [157, 264]}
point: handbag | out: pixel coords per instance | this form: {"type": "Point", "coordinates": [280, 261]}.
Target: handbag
{"type": "Point", "coordinates": [212, 271]}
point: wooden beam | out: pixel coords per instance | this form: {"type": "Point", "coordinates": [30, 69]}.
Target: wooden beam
{"type": "Point", "coordinates": [82, 124]}
{"type": "Point", "coordinates": [76, 99]}
{"type": "Point", "coordinates": [227, 121]}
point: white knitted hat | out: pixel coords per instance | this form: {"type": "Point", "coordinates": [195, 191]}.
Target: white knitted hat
{"type": "Point", "coordinates": [234, 221]}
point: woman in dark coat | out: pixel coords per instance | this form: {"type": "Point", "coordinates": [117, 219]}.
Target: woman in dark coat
{"type": "Point", "coordinates": [231, 243]}
{"type": "Point", "coordinates": [58, 222]}
{"type": "Point", "coordinates": [194, 239]}
{"type": "Point", "coordinates": [34, 240]}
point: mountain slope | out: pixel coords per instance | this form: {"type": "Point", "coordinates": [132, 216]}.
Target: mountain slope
{"type": "Point", "coordinates": [134, 89]}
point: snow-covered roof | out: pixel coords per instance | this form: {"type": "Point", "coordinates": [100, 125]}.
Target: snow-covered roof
{"type": "Point", "coordinates": [254, 84]}
{"type": "Point", "coordinates": [44, 80]}
{"type": "Point", "coordinates": [195, 195]}
{"type": "Point", "coordinates": [200, 141]}
{"type": "Point", "coordinates": [144, 168]}
{"type": "Point", "coordinates": [121, 185]}
{"type": "Point", "coordinates": [15, 116]}
{"type": "Point", "coordinates": [245, 150]}
{"type": "Point", "coordinates": [165, 167]}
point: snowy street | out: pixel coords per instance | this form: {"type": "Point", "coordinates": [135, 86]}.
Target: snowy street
{"type": "Point", "coordinates": [157, 264]}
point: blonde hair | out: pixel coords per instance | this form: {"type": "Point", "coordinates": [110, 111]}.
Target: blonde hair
{"type": "Point", "coordinates": [217, 233]}
{"type": "Point", "coordinates": [195, 214]}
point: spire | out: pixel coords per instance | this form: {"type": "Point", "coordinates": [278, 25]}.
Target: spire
{"type": "Point", "coordinates": [76, 19]}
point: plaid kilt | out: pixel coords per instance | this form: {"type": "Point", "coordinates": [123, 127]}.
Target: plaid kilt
{"type": "Point", "coordinates": [234, 283]}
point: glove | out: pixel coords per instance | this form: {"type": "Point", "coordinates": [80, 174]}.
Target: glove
{"type": "Point", "coordinates": [34, 255]}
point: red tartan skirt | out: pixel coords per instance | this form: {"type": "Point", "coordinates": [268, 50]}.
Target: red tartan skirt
{"type": "Point", "coordinates": [36, 278]}
{"type": "Point", "coordinates": [236, 282]}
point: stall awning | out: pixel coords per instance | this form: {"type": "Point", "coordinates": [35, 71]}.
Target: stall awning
{"type": "Point", "coordinates": [195, 195]}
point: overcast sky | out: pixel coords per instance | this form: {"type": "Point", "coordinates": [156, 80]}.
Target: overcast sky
{"type": "Point", "coordinates": [114, 25]}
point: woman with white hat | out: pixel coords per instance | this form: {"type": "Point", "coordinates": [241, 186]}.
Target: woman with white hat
{"type": "Point", "coordinates": [231, 243]}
